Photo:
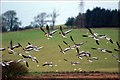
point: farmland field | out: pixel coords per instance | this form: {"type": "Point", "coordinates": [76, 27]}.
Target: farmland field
{"type": "Point", "coordinates": [51, 51]}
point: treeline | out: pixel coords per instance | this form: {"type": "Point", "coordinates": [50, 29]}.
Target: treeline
{"type": "Point", "coordinates": [98, 17]}
{"type": "Point", "coordinates": [10, 22]}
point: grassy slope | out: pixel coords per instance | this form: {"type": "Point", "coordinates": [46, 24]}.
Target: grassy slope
{"type": "Point", "coordinates": [51, 53]}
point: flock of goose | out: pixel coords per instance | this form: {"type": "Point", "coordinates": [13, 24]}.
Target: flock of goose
{"type": "Point", "coordinates": [80, 54]}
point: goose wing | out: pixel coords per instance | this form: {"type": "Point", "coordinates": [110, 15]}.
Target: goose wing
{"type": "Point", "coordinates": [60, 48]}
{"type": "Point", "coordinates": [97, 42]}
{"type": "Point", "coordinates": [65, 42]}
{"type": "Point", "coordinates": [53, 31]}
{"type": "Point", "coordinates": [11, 46]}
{"type": "Point", "coordinates": [72, 39]}
{"type": "Point", "coordinates": [77, 50]}
{"type": "Point", "coordinates": [42, 30]}
{"type": "Point", "coordinates": [108, 51]}
{"type": "Point", "coordinates": [89, 30]}
{"type": "Point", "coordinates": [66, 49]}
{"type": "Point", "coordinates": [66, 32]}
{"type": "Point", "coordinates": [27, 64]}
{"type": "Point", "coordinates": [85, 35]}
{"type": "Point", "coordinates": [94, 48]}
{"type": "Point", "coordinates": [47, 28]}
{"type": "Point", "coordinates": [2, 49]}
{"type": "Point", "coordinates": [118, 45]}
{"type": "Point", "coordinates": [111, 41]}
{"type": "Point", "coordinates": [61, 29]}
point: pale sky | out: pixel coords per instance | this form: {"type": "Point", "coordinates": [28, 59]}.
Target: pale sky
{"type": "Point", "coordinates": [27, 10]}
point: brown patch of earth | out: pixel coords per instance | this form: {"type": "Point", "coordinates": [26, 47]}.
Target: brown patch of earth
{"type": "Point", "coordinates": [73, 76]}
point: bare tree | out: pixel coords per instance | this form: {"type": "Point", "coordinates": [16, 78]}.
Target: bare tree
{"type": "Point", "coordinates": [40, 19]}
{"type": "Point", "coordinates": [54, 15]}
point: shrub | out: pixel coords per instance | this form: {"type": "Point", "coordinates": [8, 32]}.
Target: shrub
{"type": "Point", "coordinates": [13, 70]}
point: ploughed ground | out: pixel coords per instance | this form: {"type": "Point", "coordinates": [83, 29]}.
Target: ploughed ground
{"type": "Point", "coordinates": [73, 76]}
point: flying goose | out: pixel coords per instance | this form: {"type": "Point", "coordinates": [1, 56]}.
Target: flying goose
{"type": "Point", "coordinates": [71, 47]}
{"type": "Point", "coordinates": [48, 64]}
{"type": "Point", "coordinates": [48, 33]}
{"type": "Point", "coordinates": [106, 37]}
{"type": "Point", "coordinates": [83, 54]}
{"type": "Point", "coordinates": [23, 60]}
{"type": "Point", "coordinates": [30, 57]}
{"type": "Point", "coordinates": [32, 47]}
{"type": "Point", "coordinates": [63, 34]}
{"type": "Point", "coordinates": [102, 49]}
{"type": "Point", "coordinates": [63, 51]}
{"type": "Point", "coordinates": [72, 63]}
{"type": "Point", "coordinates": [95, 38]}
{"type": "Point", "coordinates": [92, 58]}
{"type": "Point", "coordinates": [93, 35]}
{"type": "Point", "coordinates": [27, 49]}
{"type": "Point", "coordinates": [11, 47]}
{"type": "Point", "coordinates": [77, 45]}
{"type": "Point", "coordinates": [15, 46]}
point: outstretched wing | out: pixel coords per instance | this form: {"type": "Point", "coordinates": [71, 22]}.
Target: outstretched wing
{"type": "Point", "coordinates": [42, 29]}
{"type": "Point", "coordinates": [2, 49]}
{"type": "Point", "coordinates": [60, 47]}
{"type": "Point", "coordinates": [47, 28]}
{"type": "Point", "coordinates": [97, 42]}
{"type": "Point", "coordinates": [67, 60]}
{"type": "Point", "coordinates": [19, 44]}
{"type": "Point", "coordinates": [53, 31]}
{"type": "Point", "coordinates": [11, 44]}
{"type": "Point", "coordinates": [118, 44]}
{"type": "Point", "coordinates": [94, 48]}
{"type": "Point", "coordinates": [36, 60]}
{"type": "Point", "coordinates": [65, 42]}
{"type": "Point", "coordinates": [61, 29]}
{"type": "Point", "coordinates": [109, 51]}
{"type": "Point", "coordinates": [72, 39]}
{"type": "Point", "coordinates": [66, 32]}
{"type": "Point", "coordinates": [85, 35]}
{"type": "Point", "coordinates": [77, 50]}
{"type": "Point", "coordinates": [89, 30]}
{"type": "Point", "coordinates": [111, 41]}
{"type": "Point", "coordinates": [27, 64]}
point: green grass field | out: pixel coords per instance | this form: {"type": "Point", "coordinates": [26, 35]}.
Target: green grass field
{"type": "Point", "coordinates": [50, 52]}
